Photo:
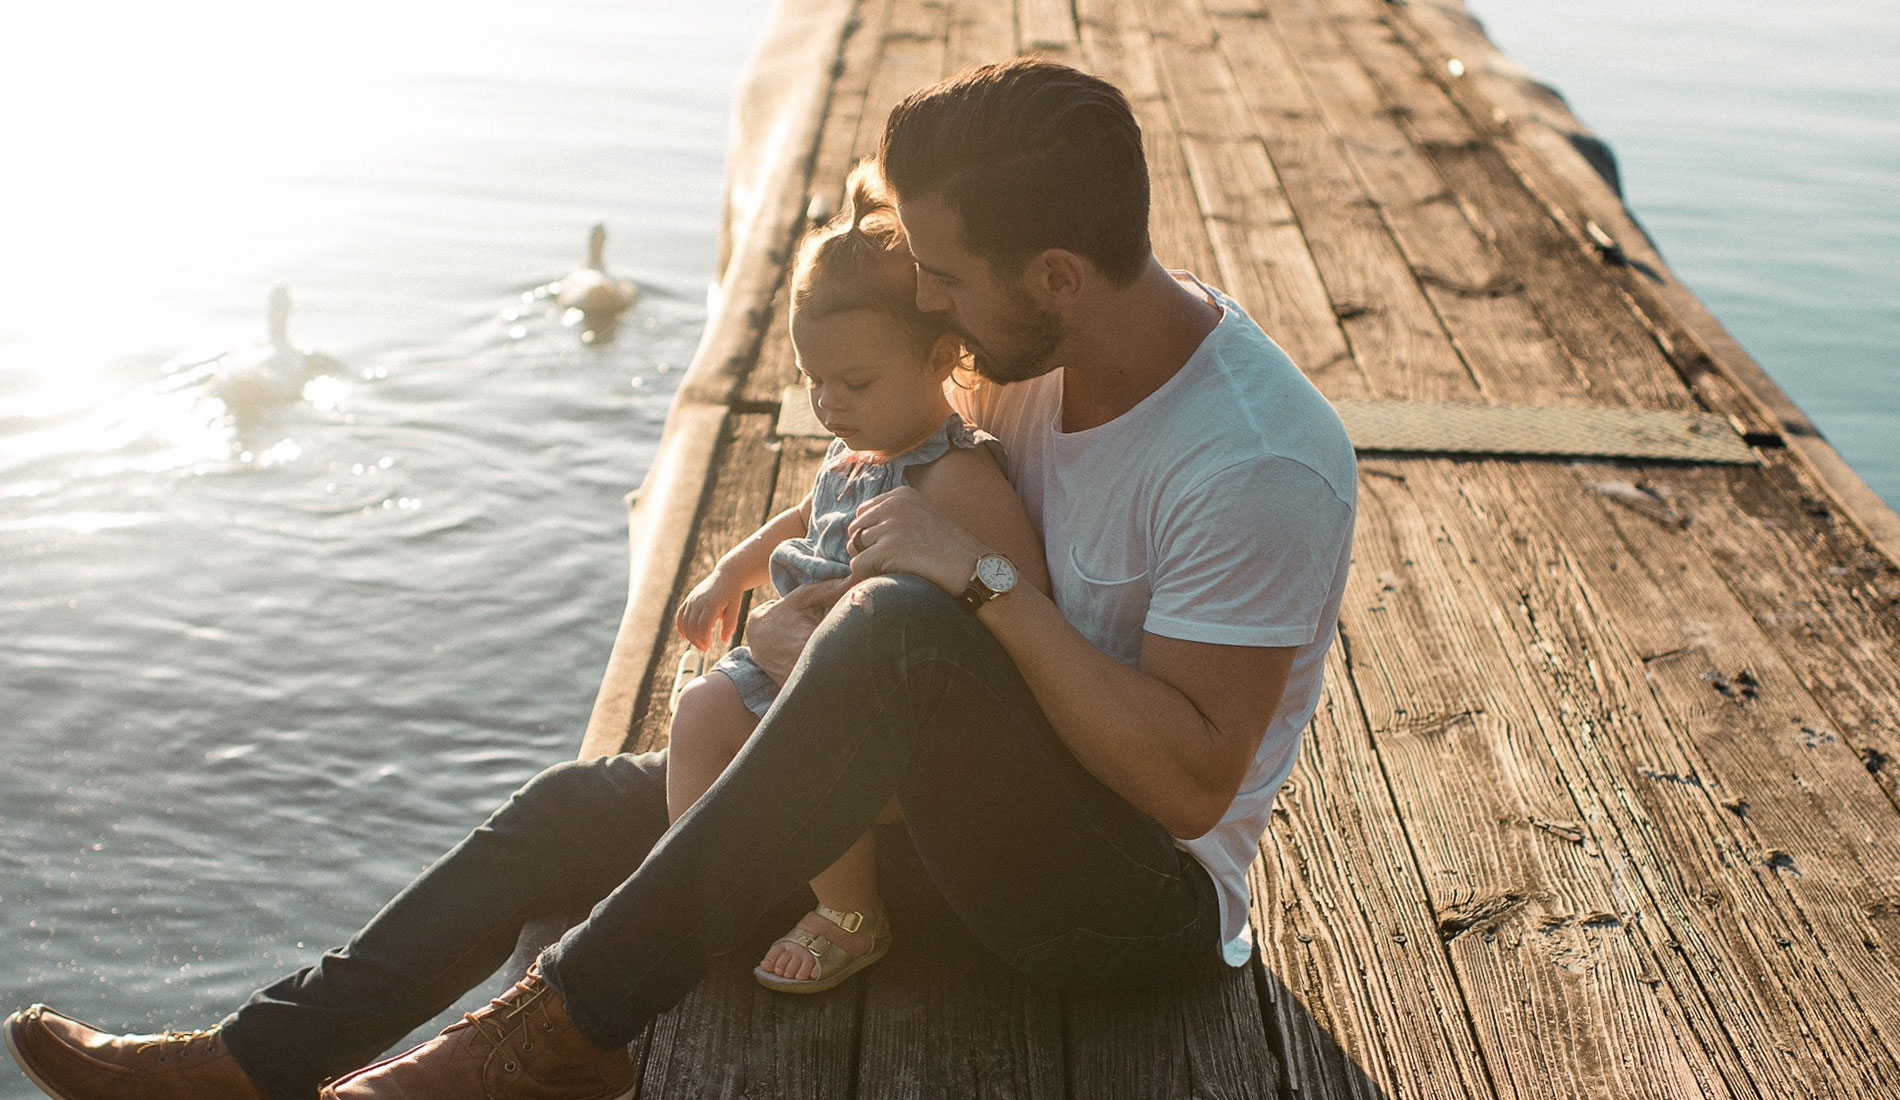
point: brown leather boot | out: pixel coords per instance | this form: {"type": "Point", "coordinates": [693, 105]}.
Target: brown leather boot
{"type": "Point", "coordinates": [523, 1045]}
{"type": "Point", "coordinates": [74, 1061]}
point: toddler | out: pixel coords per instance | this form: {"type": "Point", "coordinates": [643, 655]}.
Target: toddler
{"type": "Point", "coordinates": [874, 366]}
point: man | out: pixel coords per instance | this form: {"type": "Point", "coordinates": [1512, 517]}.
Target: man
{"type": "Point", "coordinates": [1084, 780]}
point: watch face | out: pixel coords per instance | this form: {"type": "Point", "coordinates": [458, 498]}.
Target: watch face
{"type": "Point", "coordinates": [996, 573]}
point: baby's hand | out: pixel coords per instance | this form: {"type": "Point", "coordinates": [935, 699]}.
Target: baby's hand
{"type": "Point", "coordinates": [710, 612]}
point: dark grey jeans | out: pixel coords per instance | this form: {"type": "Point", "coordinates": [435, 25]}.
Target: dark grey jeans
{"type": "Point", "coordinates": [901, 693]}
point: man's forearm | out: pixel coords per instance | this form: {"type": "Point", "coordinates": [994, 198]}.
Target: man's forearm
{"type": "Point", "coordinates": [1139, 735]}
{"type": "Point", "coordinates": [1174, 737]}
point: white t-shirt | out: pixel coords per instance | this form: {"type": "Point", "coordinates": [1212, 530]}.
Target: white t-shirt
{"type": "Point", "coordinates": [1220, 509]}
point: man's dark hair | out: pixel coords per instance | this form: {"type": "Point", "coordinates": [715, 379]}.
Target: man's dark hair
{"type": "Point", "coordinates": [1030, 154]}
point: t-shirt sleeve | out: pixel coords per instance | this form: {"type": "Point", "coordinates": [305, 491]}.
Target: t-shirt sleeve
{"type": "Point", "coordinates": [1249, 556]}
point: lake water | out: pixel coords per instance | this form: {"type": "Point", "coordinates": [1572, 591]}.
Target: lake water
{"type": "Point", "coordinates": [254, 682]}
{"type": "Point", "coordinates": [1759, 143]}
{"type": "Point", "coordinates": [252, 685]}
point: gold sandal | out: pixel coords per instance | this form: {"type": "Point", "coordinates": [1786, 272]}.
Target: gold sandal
{"type": "Point", "coordinates": [835, 964]}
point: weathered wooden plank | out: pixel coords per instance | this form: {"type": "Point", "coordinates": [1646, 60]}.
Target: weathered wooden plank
{"type": "Point", "coordinates": [1503, 345]}
{"type": "Point", "coordinates": [1624, 800]}
{"type": "Point", "coordinates": [979, 35]}
{"type": "Point", "coordinates": [1649, 792]}
{"type": "Point", "coordinates": [1117, 48]}
{"type": "Point", "coordinates": [798, 462]}
{"type": "Point", "coordinates": [1263, 259]}
{"type": "Point", "coordinates": [1806, 819]}
{"type": "Point", "coordinates": [1047, 27]}
{"type": "Point", "coordinates": [731, 1037]}
{"type": "Point", "coordinates": [1529, 898]}
{"type": "Point", "coordinates": [1829, 601]}
{"type": "Point", "coordinates": [1229, 1053]}
{"type": "Point", "coordinates": [698, 1048]}
{"type": "Point", "coordinates": [945, 1018]}
{"type": "Point", "coordinates": [849, 134]}
{"type": "Point", "coordinates": [1368, 1005]}
{"type": "Point", "coordinates": [776, 367]}
{"type": "Point", "coordinates": [1122, 1048]}
{"type": "Point", "coordinates": [852, 127]}
{"type": "Point", "coordinates": [844, 137]}
{"type": "Point", "coordinates": [1396, 337]}
{"type": "Point", "coordinates": [1203, 1037]}
{"type": "Point", "coordinates": [735, 504]}
{"type": "Point", "coordinates": [1538, 135]}
{"type": "Point", "coordinates": [1612, 351]}
{"type": "Point", "coordinates": [1328, 1071]}
{"type": "Point", "coordinates": [912, 55]}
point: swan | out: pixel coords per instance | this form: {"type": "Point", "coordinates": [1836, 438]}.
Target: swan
{"type": "Point", "coordinates": [599, 297]}
{"type": "Point", "coordinates": [270, 373]}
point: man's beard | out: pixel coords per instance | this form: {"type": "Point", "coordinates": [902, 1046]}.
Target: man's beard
{"type": "Point", "coordinates": [1033, 337]}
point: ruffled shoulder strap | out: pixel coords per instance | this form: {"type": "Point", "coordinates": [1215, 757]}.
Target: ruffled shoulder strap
{"type": "Point", "coordinates": [967, 437]}
{"type": "Point", "coordinates": [953, 433]}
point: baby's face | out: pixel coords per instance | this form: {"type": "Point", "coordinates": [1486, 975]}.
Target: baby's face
{"type": "Point", "coordinates": [866, 385]}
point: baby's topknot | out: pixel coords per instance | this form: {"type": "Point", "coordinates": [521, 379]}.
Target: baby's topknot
{"type": "Point", "coordinates": [869, 212]}
{"type": "Point", "coordinates": [859, 261]}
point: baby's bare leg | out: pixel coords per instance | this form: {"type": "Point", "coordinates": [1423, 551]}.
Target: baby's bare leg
{"type": "Point", "coordinates": [710, 726]}
{"type": "Point", "coordinates": [849, 886]}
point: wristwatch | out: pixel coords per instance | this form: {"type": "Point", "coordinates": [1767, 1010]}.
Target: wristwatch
{"type": "Point", "coordinates": [994, 576]}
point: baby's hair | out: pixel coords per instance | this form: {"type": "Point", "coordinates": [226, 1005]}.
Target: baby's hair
{"type": "Point", "coordinates": [859, 260]}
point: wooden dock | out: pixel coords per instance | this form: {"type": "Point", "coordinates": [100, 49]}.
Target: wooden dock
{"type": "Point", "coordinates": [1601, 797]}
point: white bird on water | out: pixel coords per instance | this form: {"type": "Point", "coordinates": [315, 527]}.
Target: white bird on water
{"type": "Point", "coordinates": [271, 373]}
{"type": "Point", "coordinates": [589, 294]}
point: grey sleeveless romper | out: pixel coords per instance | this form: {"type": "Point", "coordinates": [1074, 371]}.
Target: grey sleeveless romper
{"type": "Point", "coordinates": [844, 482]}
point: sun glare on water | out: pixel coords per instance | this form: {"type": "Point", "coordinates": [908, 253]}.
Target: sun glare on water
{"type": "Point", "coordinates": [167, 155]}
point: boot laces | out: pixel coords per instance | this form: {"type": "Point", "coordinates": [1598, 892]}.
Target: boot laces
{"type": "Point", "coordinates": [509, 1005]}
{"type": "Point", "coordinates": [179, 1041]}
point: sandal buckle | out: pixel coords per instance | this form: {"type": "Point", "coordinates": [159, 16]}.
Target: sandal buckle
{"type": "Point", "coordinates": [850, 922]}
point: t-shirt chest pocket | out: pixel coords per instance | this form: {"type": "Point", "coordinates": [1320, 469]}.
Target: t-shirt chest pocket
{"type": "Point", "coordinates": [1100, 536]}
{"type": "Point", "coordinates": [1104, 593]}
{"type": "Point", "coordinates": [1098, 561]}
{"type": "Point", "coordinates": [1107, 563]}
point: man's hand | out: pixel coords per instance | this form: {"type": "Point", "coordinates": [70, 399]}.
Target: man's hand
{"type": "Point", "coordinates": [777, 630]}
{"type": "Point", "coordinates": [901, 532]}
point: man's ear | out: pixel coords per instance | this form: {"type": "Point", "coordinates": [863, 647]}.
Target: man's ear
{"type": "Point", "coordinates": [1057, 275]}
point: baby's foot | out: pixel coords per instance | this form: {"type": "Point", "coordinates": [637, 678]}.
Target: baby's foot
{"type": "Point", "coordinates": [790, 960]}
